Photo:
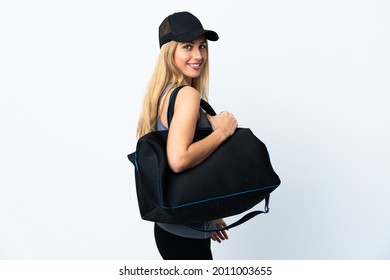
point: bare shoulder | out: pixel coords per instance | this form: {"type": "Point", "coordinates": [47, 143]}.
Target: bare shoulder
{"type": "Point", "coordinates": [187, 96]}
{"type": "Point", "coordinates": [188, 91]}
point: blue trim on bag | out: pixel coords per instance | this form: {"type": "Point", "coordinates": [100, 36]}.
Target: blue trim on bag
{"type": "Point", "coordinates": [135, 162]}
{"type": "Point", "coordinates": [219, 197]}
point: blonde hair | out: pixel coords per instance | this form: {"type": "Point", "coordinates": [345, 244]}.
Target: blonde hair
{"type": "Point", "coordinates": [166, 72]}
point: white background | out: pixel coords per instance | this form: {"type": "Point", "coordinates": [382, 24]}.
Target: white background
{"type": "Point", "coordinates": [310, 78]}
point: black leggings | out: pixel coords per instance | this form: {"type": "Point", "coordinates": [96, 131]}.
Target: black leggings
{"type": "Point", "coordinates": [174, 247]}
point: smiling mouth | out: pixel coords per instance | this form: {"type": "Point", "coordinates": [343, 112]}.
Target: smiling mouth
{"type": "Point", "coordinates": [195, 65]}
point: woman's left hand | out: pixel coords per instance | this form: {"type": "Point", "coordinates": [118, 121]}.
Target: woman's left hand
{"type": "Point", "coordinates": [219, 236]}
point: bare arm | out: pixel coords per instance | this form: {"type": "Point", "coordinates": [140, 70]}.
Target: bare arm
{"type": "Point", "coordinates": [181, 152]}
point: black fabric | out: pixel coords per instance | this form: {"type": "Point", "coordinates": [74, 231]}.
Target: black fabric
{"type": "Point", "coordinates": [183, 27]}
{"type": "Point", "coordinates": [233, 179]}
{"type": "Point", "coordinates": [174, 247]}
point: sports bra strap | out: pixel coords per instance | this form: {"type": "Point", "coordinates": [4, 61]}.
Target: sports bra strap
{"type": "Point", "coordinates": [161, 96]}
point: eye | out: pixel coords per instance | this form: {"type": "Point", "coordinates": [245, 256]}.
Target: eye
{"type": "Point", "coordinates": [203, 46]}
{"type": "Point", "coordinates": [187, 47]}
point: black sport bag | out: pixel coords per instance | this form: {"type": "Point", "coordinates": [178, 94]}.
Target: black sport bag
{"type": "Point", "coordinates": [233, 179]}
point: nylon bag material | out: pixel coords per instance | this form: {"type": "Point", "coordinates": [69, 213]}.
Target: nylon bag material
{"type": "Point", "coordinates": [232, 180]}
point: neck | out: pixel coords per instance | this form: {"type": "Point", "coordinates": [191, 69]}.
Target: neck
{"type": "Point", "coordinates": [188, 81]}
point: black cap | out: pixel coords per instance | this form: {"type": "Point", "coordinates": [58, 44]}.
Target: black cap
{"type": "Point", "coordinates": [183, 27]}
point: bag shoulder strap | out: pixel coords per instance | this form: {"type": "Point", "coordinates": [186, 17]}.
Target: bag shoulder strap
{"type": "Point", "coordinates": [171, 106]}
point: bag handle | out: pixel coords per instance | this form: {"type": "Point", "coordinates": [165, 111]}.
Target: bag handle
{"type": "Point", "coordinates": [203, 104]}
{"type": "Point", "coordinates": [242, 220]}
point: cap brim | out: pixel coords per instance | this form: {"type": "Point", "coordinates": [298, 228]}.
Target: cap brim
{"type": "Point", "coordinates": [190, 36]}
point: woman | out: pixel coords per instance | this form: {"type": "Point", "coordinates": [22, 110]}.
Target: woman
{"type": "Point", "coordinates": [183, 60]}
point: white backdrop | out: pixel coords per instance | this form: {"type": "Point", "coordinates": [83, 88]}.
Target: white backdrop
{"type": "Point", "coordinates": [310, 78]}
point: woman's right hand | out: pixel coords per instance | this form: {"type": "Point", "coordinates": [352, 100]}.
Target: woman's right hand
{"type": "Point", "coordinates": [225, 122]}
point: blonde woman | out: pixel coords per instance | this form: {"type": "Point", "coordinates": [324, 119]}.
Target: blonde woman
{"type": "Point", "coordinates": [183, 60]}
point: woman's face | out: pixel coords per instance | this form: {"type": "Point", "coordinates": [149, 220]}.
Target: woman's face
{"type": "Point", "coordinates": [190, 58]}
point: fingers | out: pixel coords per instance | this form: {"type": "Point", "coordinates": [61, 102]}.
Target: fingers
{"type": "Point", "coordinates": [220, 223]}
{"type": "Point", "coordinates": [225, 122]}
{"type": "Point", "coordinates": [220, 235]}
{"type": "Point", "coordinates": [223, 235]}
{"type": "Point", "coordinates": [214, 237]}
{"type": "Point", "coordinates": [231, 122]}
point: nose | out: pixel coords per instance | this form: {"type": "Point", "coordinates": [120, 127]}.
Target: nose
{"type": "Point", "coordinates": [197, 54]}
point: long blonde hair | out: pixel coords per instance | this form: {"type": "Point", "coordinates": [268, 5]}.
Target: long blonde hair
{"type": "Point", "coordinates": [166, 72]}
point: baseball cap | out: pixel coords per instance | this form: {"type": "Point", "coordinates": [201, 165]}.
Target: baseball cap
{"type": "Point", "coordinates": [183, 27]}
